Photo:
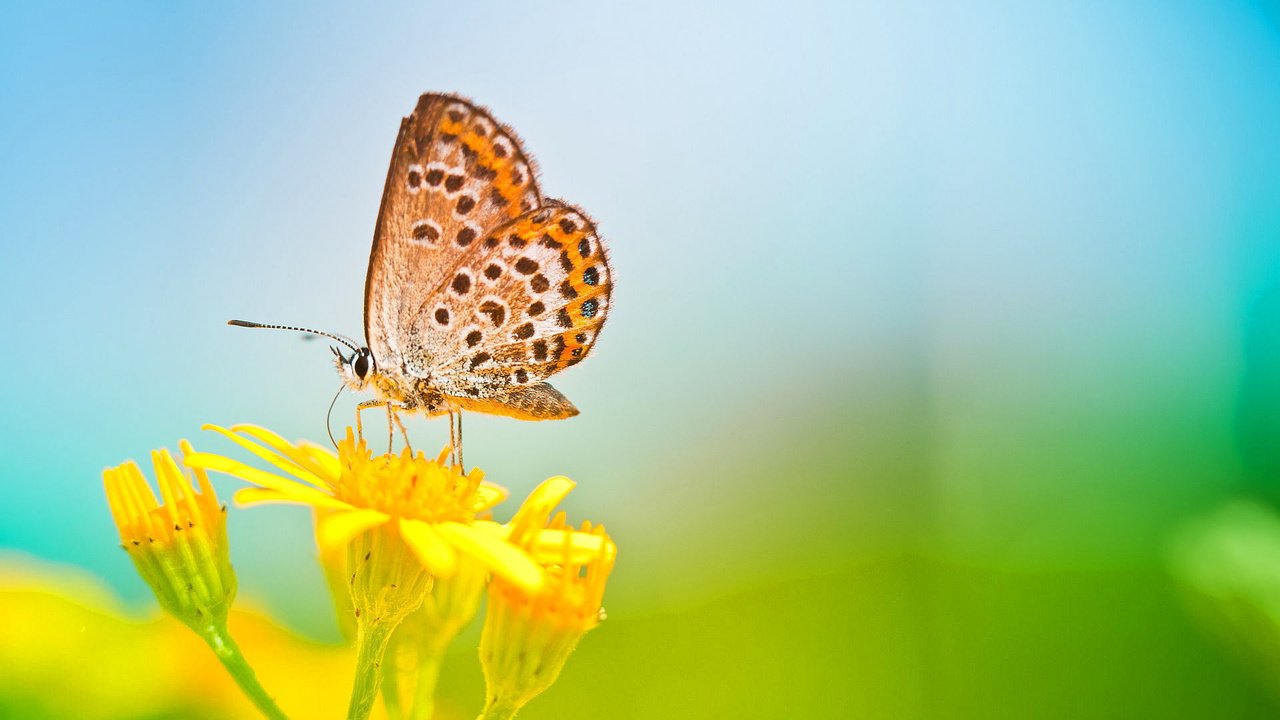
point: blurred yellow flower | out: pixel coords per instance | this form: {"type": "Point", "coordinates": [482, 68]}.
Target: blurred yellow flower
{"type": "Point", "coordinates": [69, 648]}
{"type": "Point", "coordinates": [528, 636]}
{"type": "Point", "coordinates": [423, 639]}
{"type": "Point", "coordinates": [179, 547]}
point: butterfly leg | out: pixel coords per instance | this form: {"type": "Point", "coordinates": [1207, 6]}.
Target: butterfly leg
{"type": "Point", "coordinates": [391, 430]}
{"type": "Point", "coordinates": [460, 463]}
{"type": "Point", "coordinates": [455, 436]}
{"type": "Point", "coordinates": [364, 406]}
{"type": "Point", "coordinates": [400, 424]}
{"type": "Point", "coordinates": [453, 441]}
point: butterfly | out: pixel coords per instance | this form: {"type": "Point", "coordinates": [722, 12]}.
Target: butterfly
{"type": "Point", "coordinates": [478, 287]}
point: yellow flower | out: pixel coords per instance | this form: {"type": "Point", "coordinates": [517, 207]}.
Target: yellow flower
{"type": "Point", "coordinates": [528, 636]}
{"type": "Point", "coordinates": [179, 547]}
{"type": "Point", "coordinates": [404, 520]}
{"type": "Point", "coordinates": [431, 506]}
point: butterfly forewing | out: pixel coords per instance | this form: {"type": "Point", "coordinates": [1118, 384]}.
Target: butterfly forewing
{"type": "Point", "coordinates": [456, 174]}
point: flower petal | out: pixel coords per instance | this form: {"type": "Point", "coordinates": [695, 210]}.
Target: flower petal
{"type": "Point", "coordinates": [281, 460]}
{"type": "Point", "coordinates": [141, 499]}
{"type": "Point", "coordinates": [552, 546]}
{"type": "Point", "coordinates": [535, 511]}
{"type": "Point", "coordinates": [504, 559]}
{"type": "Point", "coordinates": [117, 500]}
{"type": "Point", "coordinates": [169, 479]}
{"type": "Point", "coordinates": [258, 496]}
{"type": "Point", "coordinates": [297, 491]}
{"type": "Point", "coordinates": [322, 457]}
{"type": "Point", "coordinates": [301, 453]}
{"type": "Point", "coordinates": [206, 489]}
{"type": "Point", "coordinates": [436, 554]}
{"type": "Point", "coordinates": [488, 495]}
{"type": "Point", "coordinates": [335, 530]}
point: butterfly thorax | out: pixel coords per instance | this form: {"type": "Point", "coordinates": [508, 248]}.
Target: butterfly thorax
{"type": "Point", "coordinates": [413, 394]}
{"type": "Point", "coordinates": [388, 387]}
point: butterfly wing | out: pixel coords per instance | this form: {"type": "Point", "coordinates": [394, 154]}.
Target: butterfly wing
{"type": "Point", "coordinates": [455, 174]}
{"type": "Point", "coordinates": [539, 401]}
{"type": "Point", "coordinates": [527, 302]}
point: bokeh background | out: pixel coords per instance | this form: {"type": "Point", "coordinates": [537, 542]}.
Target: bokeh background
{"type": "Point", "coordinates": [934, 326]}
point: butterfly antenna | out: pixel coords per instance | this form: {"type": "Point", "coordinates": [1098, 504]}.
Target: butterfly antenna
{"type": "Point", "coordinates": [328, 417]}
{"type": "Point", "coordinates": [340, 338]}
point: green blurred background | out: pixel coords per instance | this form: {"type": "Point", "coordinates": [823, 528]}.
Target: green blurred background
{"type": "Point", "coordinates": [933, 325]}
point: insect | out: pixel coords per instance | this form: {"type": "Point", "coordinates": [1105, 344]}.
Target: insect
{"type": "Point", "coordinates": [478, 287]}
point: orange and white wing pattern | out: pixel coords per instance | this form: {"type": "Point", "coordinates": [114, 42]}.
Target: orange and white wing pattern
{"type": "Point", "coordinates": [456, 174]}
{"type": "Point", "coordinates": [527, 302]}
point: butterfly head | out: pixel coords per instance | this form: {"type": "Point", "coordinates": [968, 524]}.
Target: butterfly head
{"type": "Point", "coordinates": [357, 369]}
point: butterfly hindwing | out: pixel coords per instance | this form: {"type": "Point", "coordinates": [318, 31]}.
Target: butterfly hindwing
{"type": "Point", "coordinates": [538, 401]}
{"type": "Point", "coordinates": [456, 173]}
{"type": "Point", "coordinates": [527, 302]}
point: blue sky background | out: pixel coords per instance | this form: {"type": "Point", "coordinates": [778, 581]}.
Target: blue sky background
{"type": "Point", "coordinates": [1004, 263]}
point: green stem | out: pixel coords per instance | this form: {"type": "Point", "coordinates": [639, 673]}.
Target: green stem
{"type": "Point", "coordinates": [372, 640]}
{"type": "Point", "coordinates": [391, 688]}
{"type": "Point", "coordinates": [430, 657]}
{"type": "Point", "coordinates": [228, 652]}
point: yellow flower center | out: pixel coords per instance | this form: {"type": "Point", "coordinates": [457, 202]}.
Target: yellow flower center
{"type": "Point", "coordinates": [407, 485]}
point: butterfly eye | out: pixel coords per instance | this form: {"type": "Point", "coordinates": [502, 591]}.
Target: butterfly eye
{"type": "Point", "coordinates": [361, 364]}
